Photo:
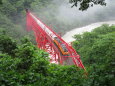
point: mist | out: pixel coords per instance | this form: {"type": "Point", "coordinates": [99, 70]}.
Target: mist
{"type": "Point", "coordinates": [63, 17]}
{"type": "Point", "coordinates": [92, 14]}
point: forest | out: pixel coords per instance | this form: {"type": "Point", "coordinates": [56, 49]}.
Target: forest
{"type": "Point", "coordinates": [23, 64]}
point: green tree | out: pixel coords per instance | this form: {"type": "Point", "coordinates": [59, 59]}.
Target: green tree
{"type": "Point", "coordinates": [7, 45]}
{"type": "Point", "coordinates": [97, 52]}
{"type": "Point", "coordinates": [8, 74]}
{"type": "Point", "coordinates": [0, 1]}
{"type": "Point", "coordinates": [85, 4]}
{"type": "Point", "coordinates": [29, 66]}
{"type": "Point", "coordinates": [102, 61]}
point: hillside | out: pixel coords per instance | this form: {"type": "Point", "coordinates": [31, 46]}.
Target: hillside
{"type": "Point", "coordinates": [23, 64]}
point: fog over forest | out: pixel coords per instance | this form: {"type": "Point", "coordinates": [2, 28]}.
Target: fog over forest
{"type": "Point", "coordinates": [59, 15]}
{"type": "Point", "coordinates": [96, 13]}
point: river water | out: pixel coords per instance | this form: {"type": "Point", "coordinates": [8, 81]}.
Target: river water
{"type": "Point", "coordinates": [68, 37]}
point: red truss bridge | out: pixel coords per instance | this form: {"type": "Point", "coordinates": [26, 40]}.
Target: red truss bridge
{"type": "Point", "coordinates": [59, 51]}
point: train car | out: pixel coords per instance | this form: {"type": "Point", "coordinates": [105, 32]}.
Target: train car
{"type": "Point", "coordinates": [61, 46]}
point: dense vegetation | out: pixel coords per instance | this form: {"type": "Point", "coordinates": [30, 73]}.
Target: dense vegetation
{"type": "Point", "coordinates": [23, 64]}
{"type": "Point", "coordinates": [97, 50]}
{"type": "Point", "coordinates": [12, 16]}
{"type": "Point", "coordinates": [26, 65]}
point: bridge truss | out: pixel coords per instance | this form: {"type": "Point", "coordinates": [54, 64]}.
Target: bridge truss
{"type": "Point", "coordinates": [59, 51]}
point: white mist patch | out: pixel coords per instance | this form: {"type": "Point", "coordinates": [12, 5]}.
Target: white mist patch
{"type": "Point", "coordinates": [65, 12]}
{"type": "Point", "coordinates": [68, 37]}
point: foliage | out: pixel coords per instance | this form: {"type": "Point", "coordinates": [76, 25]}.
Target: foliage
{"type": "Point", "coordinates": [85, 4]}
{"type": "Point", "coordinates": [8, 76]}
{"type": "Point", "coordinates": [7, 45]}
{"type": "Point", "coordinates": [23, 64]}
{"type": "Point", "coordinates": [13, 16]}
{"type": "Point", "coordinates": [29, 66]}
{"type": "Point", "coordinates": [97, 51]}
{"type": "Point", "coordinates": [0, 1]}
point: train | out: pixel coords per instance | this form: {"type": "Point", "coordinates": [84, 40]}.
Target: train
{"type": "Point", "coordinates": [62, 47]}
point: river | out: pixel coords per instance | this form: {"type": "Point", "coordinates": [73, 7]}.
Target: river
{"type": "Point", "coordinates": [68, 37]}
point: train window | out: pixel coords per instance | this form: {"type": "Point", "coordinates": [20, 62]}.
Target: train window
{"type": "Point", "coordinates": [57, 39]}
{"type": "Point", "coordinates": [64, 47]}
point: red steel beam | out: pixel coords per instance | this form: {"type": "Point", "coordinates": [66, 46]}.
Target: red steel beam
{"type": "Point", "coordinates": [45, 40]}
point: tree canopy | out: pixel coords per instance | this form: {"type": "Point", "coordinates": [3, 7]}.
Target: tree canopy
{"type": "Point", "coordinates": [26, 65]}
{"type": "Point", "coordinates": [23, 64]}
{"type": "Point", "coordinates": [0, 1]}
{"type": "Point", "coordinates": [98, 54]}
{"type": "Point", "coordinates": [85, 4]}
